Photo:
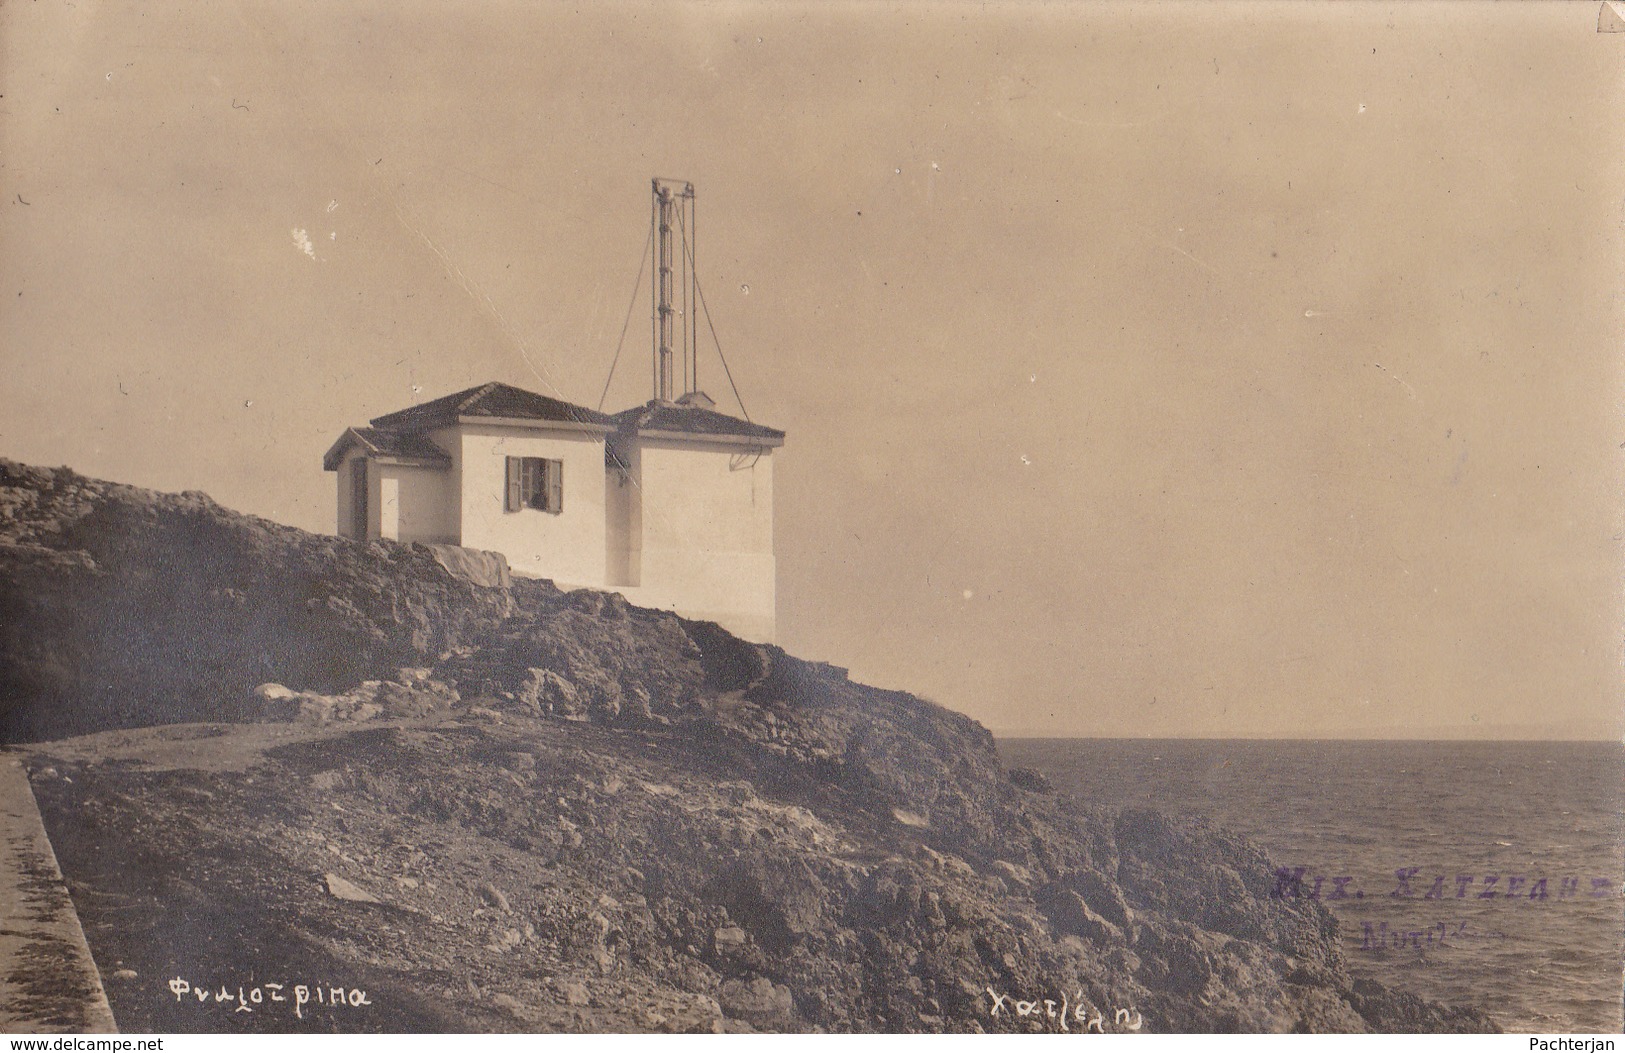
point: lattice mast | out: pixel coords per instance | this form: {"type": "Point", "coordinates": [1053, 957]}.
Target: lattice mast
{"type": "Point", "coordinates": [675, 328]}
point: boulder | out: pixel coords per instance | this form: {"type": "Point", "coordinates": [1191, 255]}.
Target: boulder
{"type": "Point", "coordinates": [327, 781]}
{"type": "Point", "coordinates": [1103, 896]}
{"type": "Point", "coordinates": [1069, 913]}
{"type": "Point", "coordinates": [488, 570]}
{"type": "Point", "coordinates": [545, 692]}
{"type": "Point", "coordinates": [1030, 780]}
{"type": "Point", "coordinates": [728, 940]}
{"type": "Point", "coordinates": [494, 897]}
{"type": "Point", "coordinates": [339, 888]}
{"type": "Point", "coordinates": [759, 1002]}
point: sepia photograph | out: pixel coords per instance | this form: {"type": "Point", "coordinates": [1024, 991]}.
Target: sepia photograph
{"type": "Point", "coordinates": [738, 517]}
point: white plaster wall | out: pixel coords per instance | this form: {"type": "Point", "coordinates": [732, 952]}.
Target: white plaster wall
{"type": "Point", "coordinates": [449, 440]}
{"type": "Point", "coordinates": [707, 535]}
{"type": "Point", "coordinates": [417, 504]}
{"type": "Point", "coordinates": [569, 546]}
{"type": "Point", "coordinates": [389, 501]}
{"type": "Point", "coordinates": [623, 530]}
{"type": "Point", "coordinates": [705, 497]}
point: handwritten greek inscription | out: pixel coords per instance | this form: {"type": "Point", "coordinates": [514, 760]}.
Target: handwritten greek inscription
{"type": "Point", "coordinates": [1067, 1013]}
{"type": "Point", "coordinates": [244, 999]}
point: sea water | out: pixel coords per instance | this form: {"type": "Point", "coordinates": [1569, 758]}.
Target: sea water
{"type": "Point", "coordinates": [1538, 948]}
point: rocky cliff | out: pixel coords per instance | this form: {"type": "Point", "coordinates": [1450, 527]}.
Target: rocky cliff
{"type": "Point", "coordinates": [287, 763]}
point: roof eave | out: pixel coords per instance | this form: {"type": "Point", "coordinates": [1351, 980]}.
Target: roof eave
{"type": "Point", "coordinates": [751, 441]}
{"type": "Point", "coordinates": [335, 453]}
{"type": "Point", "coordinates": [414, 462]}
{"type": "Point", "coordinates": [395, 422]}
{"type": "Point", "coordinates": [533, 422]}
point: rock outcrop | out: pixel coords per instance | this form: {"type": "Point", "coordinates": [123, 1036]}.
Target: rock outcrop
{"type": "Point", "coordinates": [121, 607]}
{"type": "Point", "coordinates": [520, 809]}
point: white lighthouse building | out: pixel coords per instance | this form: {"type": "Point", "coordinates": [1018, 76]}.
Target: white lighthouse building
{"type": "Point", "coordinates": [669, 503]}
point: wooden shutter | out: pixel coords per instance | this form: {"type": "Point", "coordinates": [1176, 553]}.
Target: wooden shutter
{"type": "Point", "coordinates": [555, 486]}
{"type": "Point", "coordinates": [514, 499]}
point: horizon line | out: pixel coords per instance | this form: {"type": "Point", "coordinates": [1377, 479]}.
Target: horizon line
{"type": "Point", "coordinates": [1278, 738]}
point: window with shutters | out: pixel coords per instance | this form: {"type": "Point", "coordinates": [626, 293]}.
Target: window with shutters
{"type": "Point", "coordinates": [535, 482]}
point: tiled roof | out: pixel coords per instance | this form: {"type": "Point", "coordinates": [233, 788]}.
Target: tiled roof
{"type": "Point", "coordinates": [489, 400]}
{"type": "Point", "coordinates": [387, 442]}
{"type": "Point", "coordinates": [694, 420]}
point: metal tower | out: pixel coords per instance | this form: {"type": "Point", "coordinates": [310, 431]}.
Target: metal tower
{"type": "Point", "coordinates": [672, 217]}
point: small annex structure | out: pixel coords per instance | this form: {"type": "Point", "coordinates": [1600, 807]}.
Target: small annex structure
{"type": "Point", "coordinates": [669, 503]}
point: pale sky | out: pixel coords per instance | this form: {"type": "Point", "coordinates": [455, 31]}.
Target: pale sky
{"type": "Point", "coordinates": [1220, 370]}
